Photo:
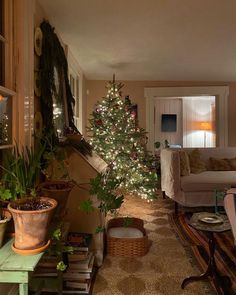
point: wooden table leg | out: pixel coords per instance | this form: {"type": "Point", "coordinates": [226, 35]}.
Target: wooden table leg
{"type": "Point", "coordinates": [211, 271]}
{"type": "Point", "coordinates": [23, 289]}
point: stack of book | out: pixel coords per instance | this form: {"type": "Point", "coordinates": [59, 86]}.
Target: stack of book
{"type": "Point", "coordinates": [79, 274]}
{"type": "Point", "coordinates": [47, 266]}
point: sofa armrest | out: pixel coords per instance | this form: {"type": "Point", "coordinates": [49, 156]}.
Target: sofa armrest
{"type": "Point", "coordinates": [230, 208]}
{"type": "Point", "coordinates": [170, 172]}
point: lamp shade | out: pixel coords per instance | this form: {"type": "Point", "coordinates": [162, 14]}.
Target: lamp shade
{"type": "Point", "coordinates": [205, 126]}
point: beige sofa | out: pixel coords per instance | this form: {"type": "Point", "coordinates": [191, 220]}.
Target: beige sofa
{"type": "Point", "coordinates": [195, 189]}
{"type": "Point", "coordinates": [230, 208]}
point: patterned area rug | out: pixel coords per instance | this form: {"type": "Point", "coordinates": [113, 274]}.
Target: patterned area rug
{"type": "Point", "coordinates": [162, 270]}
{"type": "Point", "coordinates": [225, 254]}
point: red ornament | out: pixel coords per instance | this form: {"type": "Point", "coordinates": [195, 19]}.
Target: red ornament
{"type": "Point", "coordinates": [98, 122]}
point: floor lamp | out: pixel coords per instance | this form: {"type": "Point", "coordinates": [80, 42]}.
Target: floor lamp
{"type": "Point", "coordinates": [205, 126]}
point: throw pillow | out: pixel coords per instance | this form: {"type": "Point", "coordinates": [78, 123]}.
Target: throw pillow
{"type": "Point", "coordinates": [184, 163]}
{"type": "Point", "coordinates": [219, 164]}
{"type": "Point", "coordinates": [197, 165]}
{"type": "Point", "coordinates": [232, 163]}
{"type": "Point", "coordinates": [222, 164]}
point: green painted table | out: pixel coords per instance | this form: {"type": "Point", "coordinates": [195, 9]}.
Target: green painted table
{"type": "Point", "coordinates": [15, 268]}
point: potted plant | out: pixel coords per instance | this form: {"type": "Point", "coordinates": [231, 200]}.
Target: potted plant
{"type": "Point", "coordinates": [58, 184]}
{"type": "Point", "coordinates": [5, 215]}
{"type": "Point", "coordinates": [31, 214]}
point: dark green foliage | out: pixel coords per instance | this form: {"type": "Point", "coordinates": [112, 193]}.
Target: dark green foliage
{"type": "Point", "coordinates": [21, 170]}
{"type": "Point", "coordinates": [99, 229]}
{"type": "Point", "coordinates": [86, 206]}
{"type": "Point", "coordinates": [105, 190]}
{"type": "Point", "coordinates": [128, 221]}
{"type": "Point", "coordinates": [117, 138]}
{"type": "Point", "coordinates": [53, 59]}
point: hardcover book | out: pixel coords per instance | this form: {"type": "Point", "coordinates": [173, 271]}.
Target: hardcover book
{"type": "Point", "coordinates": [78, 256]}
{"type": "Point", "coordinates": [72, 274]}
{"type": "Point", "coordinates": [87, 266]}
{"type": "Point", "coordinates": [80, 241]}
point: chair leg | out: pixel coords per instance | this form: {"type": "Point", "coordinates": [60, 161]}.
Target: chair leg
{"type": "Point", "coordinates": [163, 195]}
{"type": "Point", "coordinates": [176, 208]}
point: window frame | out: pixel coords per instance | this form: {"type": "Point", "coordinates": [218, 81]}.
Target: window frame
{"type": "Point", "coordinates": [76, 72]}
{"type": "Point", "coordinates": [6, 88]}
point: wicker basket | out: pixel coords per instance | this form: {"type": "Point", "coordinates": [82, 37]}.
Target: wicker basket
{"type": "Point", "coordinates": [129, 247]}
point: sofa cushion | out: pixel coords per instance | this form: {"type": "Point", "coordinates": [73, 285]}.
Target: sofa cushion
{"type": "Point", "coordinates": [232, 163]}
{"type": "Point", "coordinates": [208, 181]}
{"type": "Point", "coordinates": [184, 163]}
{"type": "Point", "coordinates": [197, 165]}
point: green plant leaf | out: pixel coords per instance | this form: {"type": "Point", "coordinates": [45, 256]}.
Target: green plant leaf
{"type": "Point", "coordinates": [127, 221]}
{"type": "Point", "coordinates": [61, 266]}
{"type": "Point", "coordinates": [99, 229]}
{"type": "Point", "coordinates": [86, 206]}
{"type": "Point", "coordinates": [56, 235]}
{"type": "Point", "coordinates": [5, 194]}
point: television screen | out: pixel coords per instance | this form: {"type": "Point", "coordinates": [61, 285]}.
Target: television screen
{"type": "Point", "coordinates": [168, 122]}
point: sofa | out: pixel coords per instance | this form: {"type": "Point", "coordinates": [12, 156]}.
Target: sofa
{"type": "Point", "coordinates": [230, 209]}
{"type": "Point", "coordinates": [197, 189]}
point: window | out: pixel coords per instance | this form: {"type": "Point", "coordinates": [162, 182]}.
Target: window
{"type": "Point", "coordinates": [6, 92]}
{"type": "Point", "coordinates": [2, 42]}
{"type": "Point", "coordinates": [74, 85]}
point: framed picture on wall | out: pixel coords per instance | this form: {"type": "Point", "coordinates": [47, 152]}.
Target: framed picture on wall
{"type": "Point", "coordinates": [168, 122]}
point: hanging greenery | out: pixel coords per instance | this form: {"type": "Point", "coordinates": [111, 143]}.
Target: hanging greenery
{"type": "Point", "coordinates": [54, 80]}
{"type": "Point", "coordinates": [55, 90]}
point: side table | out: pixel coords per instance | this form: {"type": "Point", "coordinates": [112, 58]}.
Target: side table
{"type": "Point", "coordinates": [15, 268]}
{"type": "Point", "coordinates": [220, 282]}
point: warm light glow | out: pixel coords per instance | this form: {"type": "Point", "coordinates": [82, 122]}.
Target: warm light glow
{"type": "Point", "coordinates": [205, 126]}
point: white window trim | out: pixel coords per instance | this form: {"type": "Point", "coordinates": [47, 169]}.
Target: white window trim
{"type": "Point", "coordinates": [222, 92]}
{"type": "Point", "coordinates": [74, 68]}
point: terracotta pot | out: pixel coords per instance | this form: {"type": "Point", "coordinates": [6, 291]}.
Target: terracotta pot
{"type": "Point", "coordinates": [58, 190]}
{"type": "Point", "coordinates": [31, 227]}
{"type": "Point", "coordinates": [3, 225]}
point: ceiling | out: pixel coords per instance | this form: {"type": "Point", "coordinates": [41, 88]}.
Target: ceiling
{"type": "Point", "coordinates": [172, 40]}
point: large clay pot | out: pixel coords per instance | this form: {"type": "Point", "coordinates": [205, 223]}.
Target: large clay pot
{"type": "Point", "coordinates": [58, 190]}
{"type": "Point", "coordinates": [3, 225]}
{"type": "Point", "coordinates": [31, 227]}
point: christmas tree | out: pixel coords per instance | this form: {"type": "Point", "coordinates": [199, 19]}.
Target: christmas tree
{"type": "Point", "coordinates": [116, 137]}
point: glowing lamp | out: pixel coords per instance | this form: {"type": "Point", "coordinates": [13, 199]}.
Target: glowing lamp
{"type": "Point", "coordinates": [205, 126]}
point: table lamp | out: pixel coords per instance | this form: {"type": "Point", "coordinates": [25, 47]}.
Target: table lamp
{"type": "Point", "coordinates": [205, 126]}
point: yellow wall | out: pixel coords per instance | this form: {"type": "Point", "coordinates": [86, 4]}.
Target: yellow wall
{"type": "Point", "coordinates": [96, 90]}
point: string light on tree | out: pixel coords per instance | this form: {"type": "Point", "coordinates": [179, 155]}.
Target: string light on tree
{"type": "Point", "coordinates": [116, 137]}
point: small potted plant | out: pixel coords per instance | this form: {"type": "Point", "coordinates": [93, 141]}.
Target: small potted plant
{"type": "Point", "coordinates": [31, 214]}
{"type": "Point", "coordinates": [5, 215]}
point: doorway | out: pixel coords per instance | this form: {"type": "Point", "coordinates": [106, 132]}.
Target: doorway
{"type": "Point", "coordinates": [216, 129]}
